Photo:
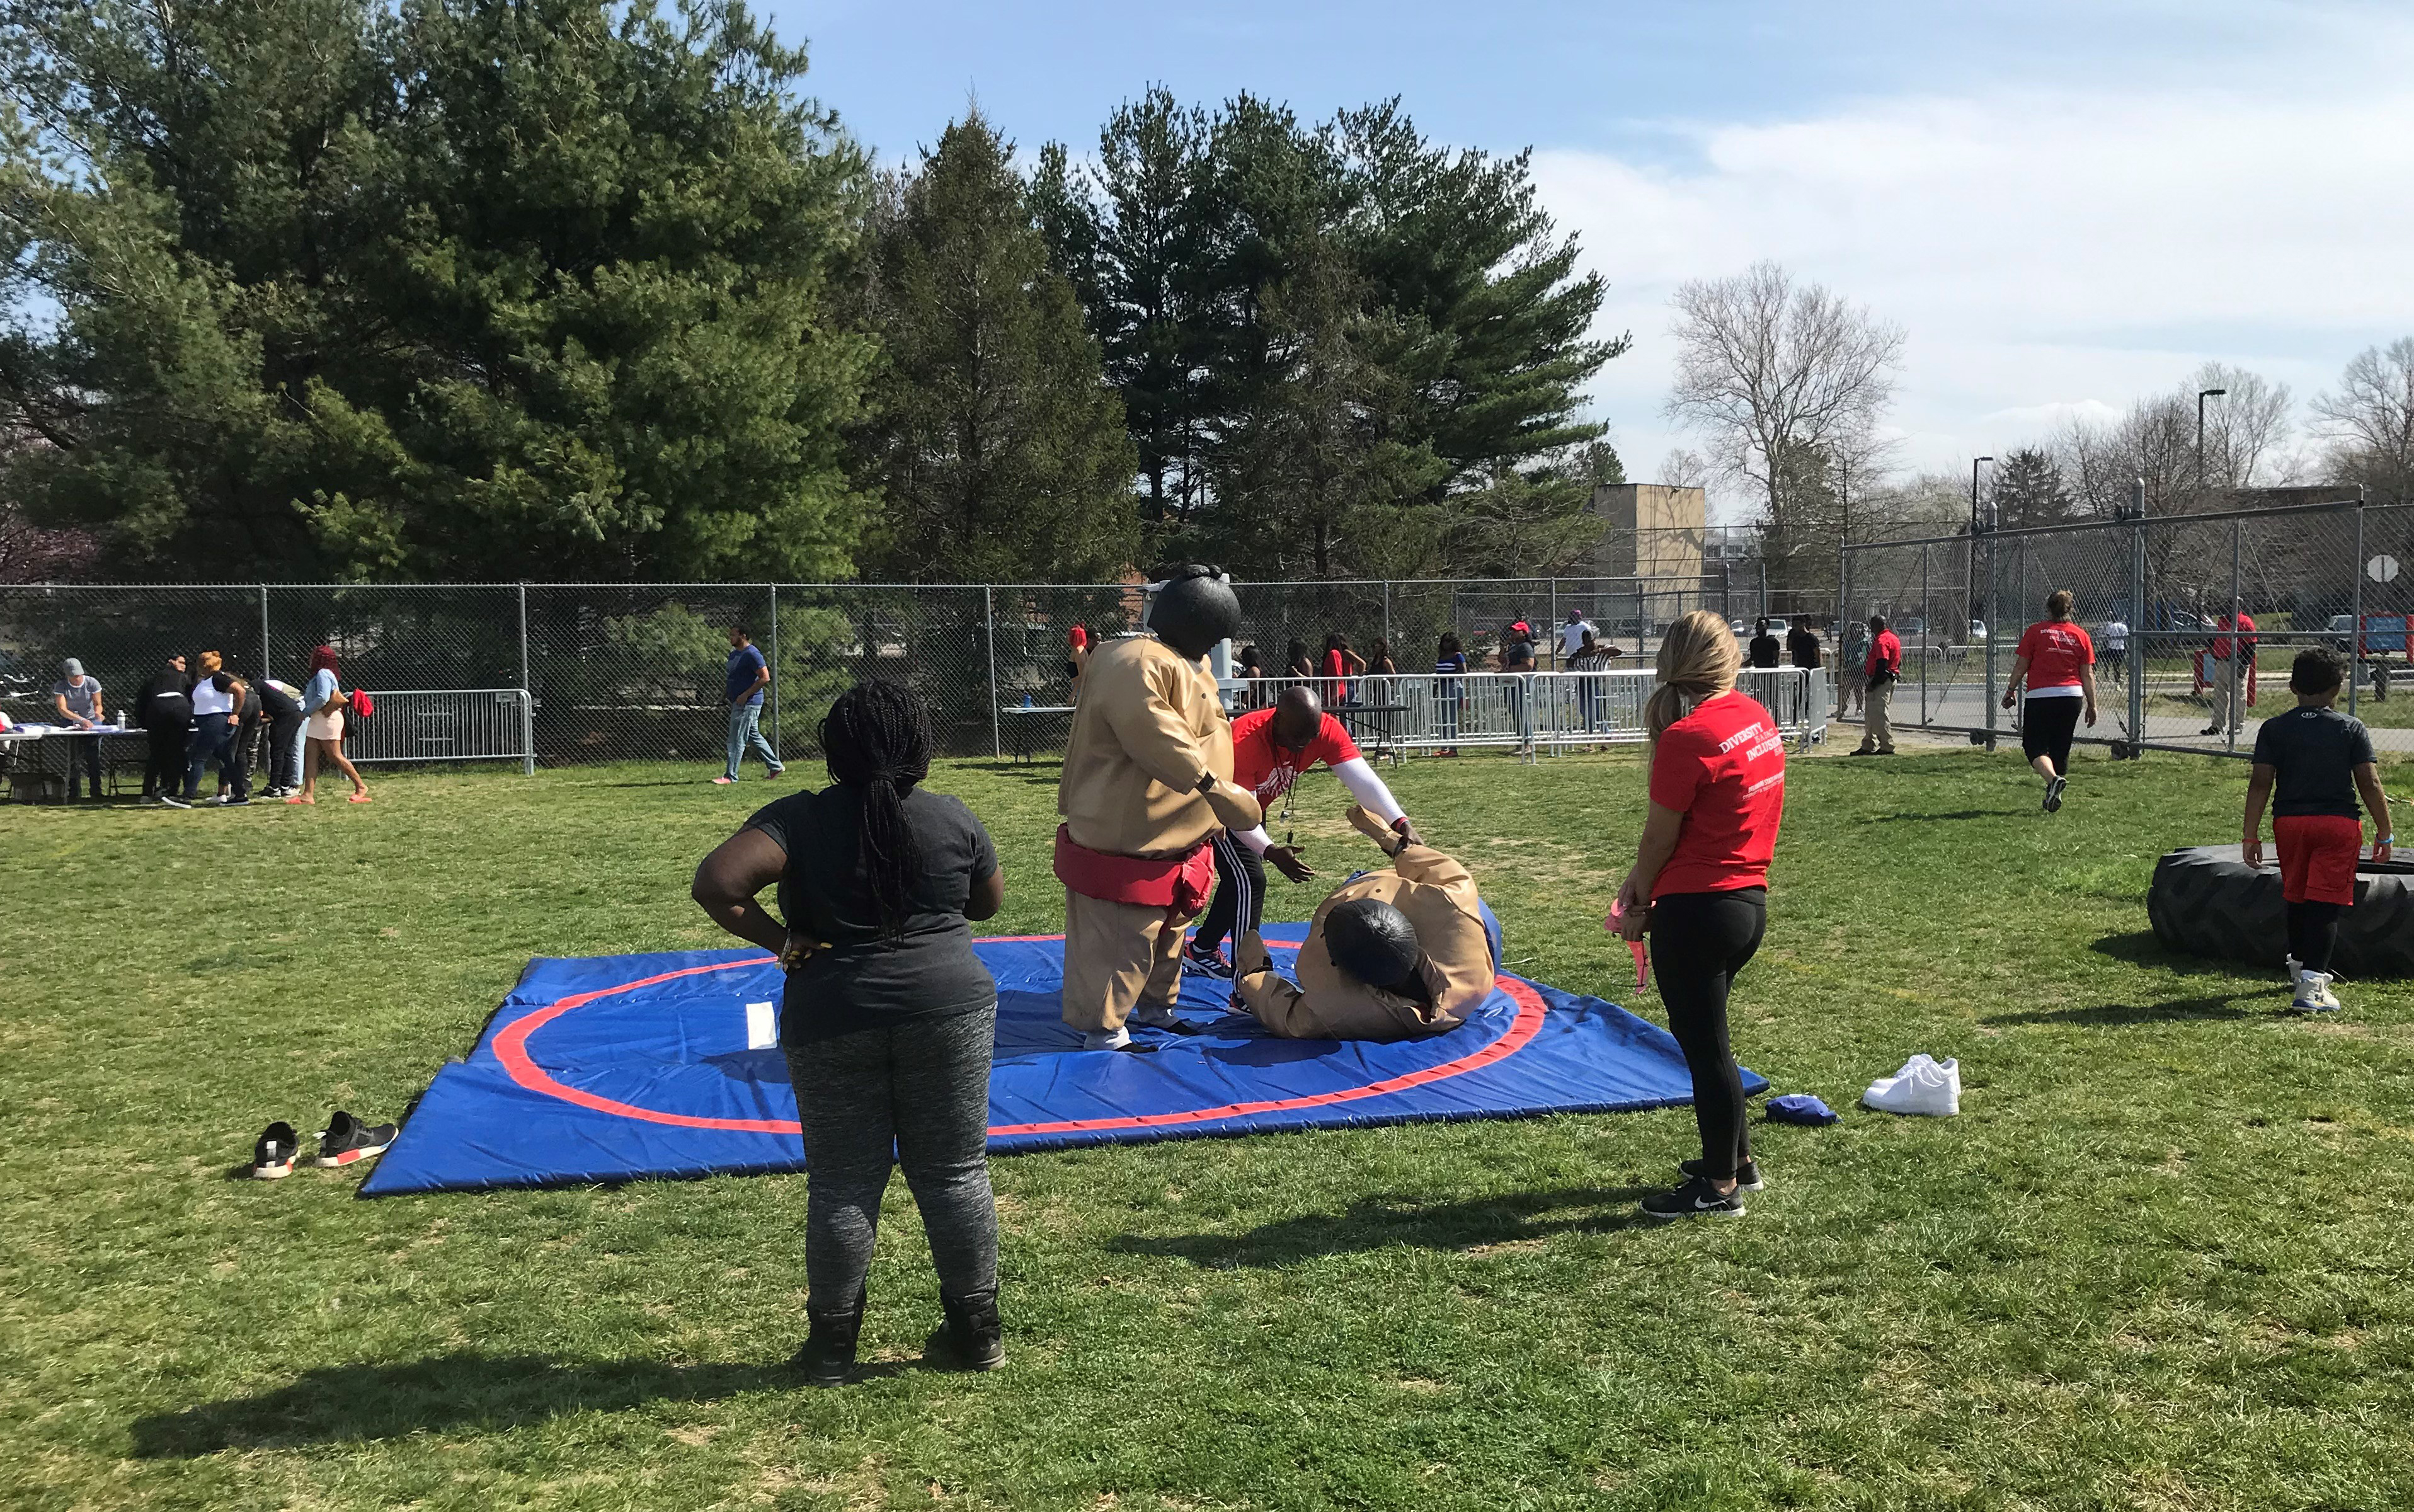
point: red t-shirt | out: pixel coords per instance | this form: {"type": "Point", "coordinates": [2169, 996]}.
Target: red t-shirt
{"type": "Point", "coordinates": [1723, 767]}
{"type": "Point", "coordinates": [1334, 665]}
{"type": "Point", "coordinates": [1886, 655]}
{"type": "Point", "coordinates": [1263, 769]}
{"type": "Point", "coordinates": [2056, 649]}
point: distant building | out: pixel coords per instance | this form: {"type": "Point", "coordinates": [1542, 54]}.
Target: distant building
{"type": "Point", "coordinates": [1653, 531]}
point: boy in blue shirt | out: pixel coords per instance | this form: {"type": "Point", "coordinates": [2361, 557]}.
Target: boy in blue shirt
{"type": "Point", "coordinates": [749, 674]}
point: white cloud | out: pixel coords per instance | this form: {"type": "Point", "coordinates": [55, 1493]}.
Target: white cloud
{"type": "Point", "coordinates": [2051, 253]}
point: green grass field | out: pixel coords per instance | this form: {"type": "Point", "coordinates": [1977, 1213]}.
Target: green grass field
{"type": "Point", "coordinates": [2161, 1262]}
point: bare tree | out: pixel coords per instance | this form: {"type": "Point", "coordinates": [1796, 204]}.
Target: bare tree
{"type": "Point", "coordinates": [1772, 372]}
{"type": "Point", "coordinates": [2369, 422]}
{"type": "Point", "coordinates": [2245, 430]}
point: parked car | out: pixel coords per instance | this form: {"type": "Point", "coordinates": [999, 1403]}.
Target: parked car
{"type": "Point", "coordinates": [2384, 634]}
{"type": "Point", "coordinates": [1977, 630]}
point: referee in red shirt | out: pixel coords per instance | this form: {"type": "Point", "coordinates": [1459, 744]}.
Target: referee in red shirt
{"type": "Point", "coordinates": [2056, 661]}
{"type": "Point", "coordinates": [1700, 886]}
{"type": "Point", "coordinates": [1271, 748]}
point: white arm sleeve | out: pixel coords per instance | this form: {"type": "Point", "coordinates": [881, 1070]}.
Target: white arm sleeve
{"type": "Point", "coordinates": [1368, 790]}
{"type": "Point", "coordinates": [1257, 840]}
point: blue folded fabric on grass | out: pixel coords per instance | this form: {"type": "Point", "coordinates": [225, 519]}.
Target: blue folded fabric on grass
{"type": "Point", "coordinates": [1800, 1108]}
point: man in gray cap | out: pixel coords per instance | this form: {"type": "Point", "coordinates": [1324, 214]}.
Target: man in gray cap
{"type": "Point", "coordinates": [78, 702]}
{"type": "Point", "coordinates": [1392, 954]}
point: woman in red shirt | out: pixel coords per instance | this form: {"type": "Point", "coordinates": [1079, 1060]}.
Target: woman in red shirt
{"type": "Point", "coordinates": [1700, 885]}
{"type": "Point", "coordinates": [2057, 663]}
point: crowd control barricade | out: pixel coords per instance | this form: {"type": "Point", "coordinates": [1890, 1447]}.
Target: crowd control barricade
{"type": "Point", "coordinates": [446, 724]}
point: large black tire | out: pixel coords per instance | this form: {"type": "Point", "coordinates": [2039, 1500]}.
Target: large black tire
{"type": "Point", "coordinates": [2206, 901]}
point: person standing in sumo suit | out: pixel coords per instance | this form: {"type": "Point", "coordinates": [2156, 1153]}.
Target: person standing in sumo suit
{"type": "Point", "coordinates": [1147, 782]}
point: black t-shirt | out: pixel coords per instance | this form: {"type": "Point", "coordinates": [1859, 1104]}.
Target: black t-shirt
{"type": "Point", "coordinates": [1764, 651]}
{"type": "Point", "coordinates": [1803, 644]}
{"type": "Point", "coordinates": [2316, 752]}
{"type": "Point", "coordinates": [275, 702]}
{"type": "Point", "coordinates": [164, 703]}
{"type": "Point", "coordinates": [862, 980]}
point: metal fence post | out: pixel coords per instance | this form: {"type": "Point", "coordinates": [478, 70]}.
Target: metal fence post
{"type": "Point", "coordinates": [2233, 695]}
{"type": "Point", "coordinates": [989, 626]}
{"type": "Point", "coordinates": [1994, 624]}
{"type": "Point", "coordinates": [528, 683]}
{"type": "Point", "coordinates": [1554, 631]}
{"type": "Point", "coordinates": [2137, 642]}
{"type": "Point", "coordinates": [775, 669]}
{"type": "Point", "coordinates": [1924, 610]}
{"type": "Point", "coordinates": [2355, 626]}
{"type": "Point", "coordinates": [1387, 619]}
{"type": "Point", "coordinates": [265, 669]}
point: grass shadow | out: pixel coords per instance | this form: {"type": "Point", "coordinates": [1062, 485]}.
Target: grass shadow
{"type": "Point", "coordinates": [2115, 1015]}
{"type": "Point", "coordinates": [1385, 1220]}
{"type": "Point", "coordinates": [2139, 948]}
{"type": "Point", "coordinates": [462, 1390]}
{"type": "Point", "coordinates": [1957, 813]}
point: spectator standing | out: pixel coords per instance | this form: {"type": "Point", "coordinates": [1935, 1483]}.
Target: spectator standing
{"type": "Point", "coordinates": [745, 677]}
{"type": "Point", "coordinates": [2319, 760]}
{"type": "Point", "coordinates": [1379, 660]}
{"type": "Point", "coordinates": [1340, 664]}
{"type": "Point", "coordinates": [322, 729]}
{"type": "Point", "coordinates": [2233, 658]}
{"type": "Point", "coordinates": [1765, 649]}
{"type": "Point", "coordinates": [280, 703]}
{"type": "Point", "coordinates": [1880, 671]}
{"type": "Point", "coordinates": [1573, 636]}
{"type": "Point", "coordinates": [2057, 662]}
{"type": "Point", "coordinates": [217, 713]}
{"type": "Point", "coordinates": [2116, 647]}
{"type": "Point", "coordinates": [888, 1017]}
{"type": "Point", "coordinates": [166, 712]}
{"type": "Point", "coordinates": [1591, 656]}
{"type": "Point", "coordinates": [1518, 659]}
{"type": "Point", "coordinates": [1852, 681]}
{"type": "Point", "coordinates": [1802, 647]}
{"type": "Point", "coordinates": [235, 776]}
{"type": "Point", "coordinates": [1252, 671]}
{"type": "Point", "coordinates": [1700, 886]}
{"type": "Point", "coordinates": [1450, 688]}
{"type": "Point", "coordinates": [77, 698]}
{"type": "Point", "coordinates": [1298, 664]}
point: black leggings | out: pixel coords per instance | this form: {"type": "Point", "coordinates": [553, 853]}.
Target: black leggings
{"type": "Point", "coordinates": [165, 771]}
{"type": "Point", "coordinates": [2313, 933]}
{"type": "Point", "coordinates": [1699, 941]}
{"type": "Point", "coordinates": [1239, 901]}
{"type": "Point", "coordinates": [2047, 726]}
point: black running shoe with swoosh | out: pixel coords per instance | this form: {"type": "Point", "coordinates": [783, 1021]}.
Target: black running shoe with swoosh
{"type": "Point", "coordinates": [1696, 1198]}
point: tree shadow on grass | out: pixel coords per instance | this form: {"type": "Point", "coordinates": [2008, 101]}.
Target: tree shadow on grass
{"type": "Point", "coordinates": [1957, 813]}
{"type": "Point", "coordinates": [1385, 1220]}
{"type": "Point", "coordinates": [2114, 1014]}
{"type": "Point", "coordinates": [466, 1389]}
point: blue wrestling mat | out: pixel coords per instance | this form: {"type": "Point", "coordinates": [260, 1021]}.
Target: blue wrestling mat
{"type": "Point", "coordinates": [616, 1066]}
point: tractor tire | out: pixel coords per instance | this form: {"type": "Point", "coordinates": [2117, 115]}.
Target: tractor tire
{"type": "Point", "coordinates": [2206, 901]}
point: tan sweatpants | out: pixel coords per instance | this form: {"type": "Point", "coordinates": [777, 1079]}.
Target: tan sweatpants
{"type": "Point", "coordinates": [1118, 956]}
{"type": "Point", "coordinates": [2230, 694]}
{"type": "Point", "coordinates": [1877, 730]}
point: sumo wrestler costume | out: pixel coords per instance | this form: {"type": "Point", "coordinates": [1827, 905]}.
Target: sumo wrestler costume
{"type": "Point", "coordinates": [1148, 779]}
{"type": "Point", "coordinates": [1449, 955]}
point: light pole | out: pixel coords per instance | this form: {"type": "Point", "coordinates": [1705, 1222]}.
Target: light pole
{"type": "Point", "coordinates": [2202, 395]}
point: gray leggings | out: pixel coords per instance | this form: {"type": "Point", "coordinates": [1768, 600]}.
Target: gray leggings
{"type": "Point", "coordinates": [916, 1093]}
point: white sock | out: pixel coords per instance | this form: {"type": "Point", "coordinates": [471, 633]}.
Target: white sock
{"type": "Point", "coordinates": [1106, 1039]}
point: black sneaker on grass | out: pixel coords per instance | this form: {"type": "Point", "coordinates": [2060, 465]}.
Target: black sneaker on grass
{"type": "Point", "coordinates": [1696, 1198]}
{"type": "Point", "coordinates": [173, 802]}
{"type": "Point", "coordinates": [347, 1139]}
{"type": "Point", "coordinates": [272, 1154]}
{"type": "Point", "coordinates": [2053, 794]}
{"type": "Point", "coordinates": [1746, 1174]}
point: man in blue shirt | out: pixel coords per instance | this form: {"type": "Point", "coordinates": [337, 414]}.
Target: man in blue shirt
{"type": "Point", "coordinates": [749, 675]}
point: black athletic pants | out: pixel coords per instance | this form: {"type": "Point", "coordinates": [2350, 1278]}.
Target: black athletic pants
{"type": "Point", "coordinates": [165, 771]}
{"type": "Point", "coordinates": [284, 767]}
{"type": "Point", "coordinates": [1699, 941]}
{"type": "Point", "coordinates": [1240, 902]}
{"type": "Point", "coordinates": [2312, 933]}
{"type": "Point", "coordinates": [2047, 726]}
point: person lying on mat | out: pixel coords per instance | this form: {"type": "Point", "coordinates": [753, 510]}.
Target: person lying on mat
{"type": "Point", "coordinates": [1271, 749]}
{"type": "Point", "coordinates": [1391, 955]}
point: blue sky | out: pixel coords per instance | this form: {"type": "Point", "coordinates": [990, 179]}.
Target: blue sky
{"type": "Point", "coordinates": [2067, 204]}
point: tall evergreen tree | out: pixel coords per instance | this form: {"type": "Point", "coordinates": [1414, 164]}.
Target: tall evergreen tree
{"type": "Point", "coordinates": [472, 288]}
{"type": "Point", "coordinates": [998, 445]}
{"type": "Point", "coordinates": [2029, 490]}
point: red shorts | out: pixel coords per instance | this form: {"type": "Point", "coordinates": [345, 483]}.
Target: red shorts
{"type": "Point", "coordinates": [2317, 856]}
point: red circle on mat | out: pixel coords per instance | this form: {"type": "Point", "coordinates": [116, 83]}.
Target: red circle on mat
{"type": "Point", "coordinates": [510, 1049]}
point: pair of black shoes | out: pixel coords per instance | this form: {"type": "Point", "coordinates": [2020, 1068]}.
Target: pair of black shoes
{"type": "Point", "coordinates": [972, 1338]}
{"type": "Point", "coordinates": [344, 1141]}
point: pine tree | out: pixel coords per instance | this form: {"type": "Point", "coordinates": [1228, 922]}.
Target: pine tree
{"type": "Point", "coordinates": [999, 446]}
{"type": "Point", "coordinates": [470, 287]}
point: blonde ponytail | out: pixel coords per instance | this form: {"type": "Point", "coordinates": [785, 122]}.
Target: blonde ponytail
{"type": "Point", "coordinates": [1698, 660]}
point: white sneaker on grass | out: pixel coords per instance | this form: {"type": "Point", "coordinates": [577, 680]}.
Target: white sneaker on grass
{"type": "Point", "coordinates": [2314, 995]}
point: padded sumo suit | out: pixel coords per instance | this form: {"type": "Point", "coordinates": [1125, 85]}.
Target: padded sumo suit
{"type": "Point", "coordinates": [1454, 961]}
{"type": "Point", "coordinates": [1148, 777]}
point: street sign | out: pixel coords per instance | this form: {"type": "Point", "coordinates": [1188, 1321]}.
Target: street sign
{"type": "Point", "coordinates": [2381, 569]}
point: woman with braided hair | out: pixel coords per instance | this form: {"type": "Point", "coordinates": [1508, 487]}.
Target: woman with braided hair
{"type": "Point", "coordinates": [889, 1015]}
{"type": "Point", "coordinates": [1700, 885]}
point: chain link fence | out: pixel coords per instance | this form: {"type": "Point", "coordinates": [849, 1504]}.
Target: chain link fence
{"type": "Point", "coordinates": [636, 671]}
{"type": "Point", "coordinates": [2157, 595]}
